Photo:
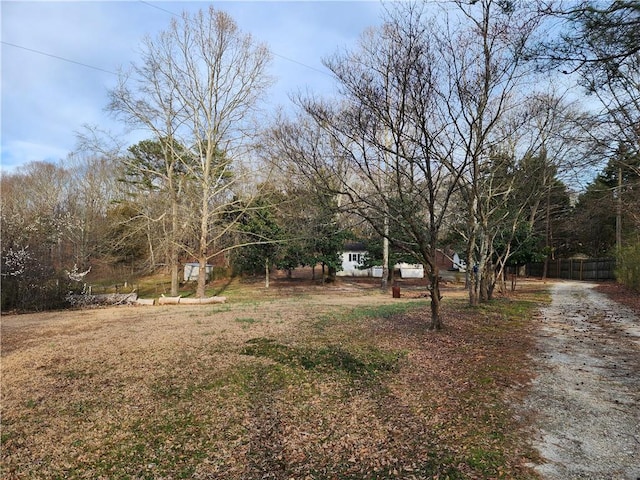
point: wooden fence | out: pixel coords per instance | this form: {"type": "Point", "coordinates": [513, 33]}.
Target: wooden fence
{"type": "Point", "coordinates": [576, 269]}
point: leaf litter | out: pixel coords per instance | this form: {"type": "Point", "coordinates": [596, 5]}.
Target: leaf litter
{"type": "Point", "coordinates": [314, 388]}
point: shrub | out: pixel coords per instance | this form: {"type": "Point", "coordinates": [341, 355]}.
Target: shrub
{"type": "Point", "coordinates": [628, 266]}
{"type": "Point", "coordinates": [29, 285]}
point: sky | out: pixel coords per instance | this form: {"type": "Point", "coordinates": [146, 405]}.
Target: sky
{"type": "Point", "coordinates": [59, 59]}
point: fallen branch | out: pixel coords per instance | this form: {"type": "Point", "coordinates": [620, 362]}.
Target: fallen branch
{"type": "Point", "coordinates": [102, 299]}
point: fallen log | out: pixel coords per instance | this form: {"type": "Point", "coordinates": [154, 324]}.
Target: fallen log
{"type": "Point", "coordinates": [202, 301]}
{"type": "Point", "coordinates": [145, 301]}
{"type": "Point", "coordinates": [168, 300]}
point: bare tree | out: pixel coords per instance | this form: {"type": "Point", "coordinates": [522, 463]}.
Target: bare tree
{"type": "Point", "coordinates": [93, 188]}
{"type": "Point", "coordinates": [198, 84]}
{"type": "Point", "coordinates": [53, 217]}
{"type": "Point", "coordinates": [483, 46]}
{"type": "Point", "coordinates": [379, 150]}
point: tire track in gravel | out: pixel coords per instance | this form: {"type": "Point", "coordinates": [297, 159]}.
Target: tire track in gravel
{"type": "Point", "coordinates": [586, 397]}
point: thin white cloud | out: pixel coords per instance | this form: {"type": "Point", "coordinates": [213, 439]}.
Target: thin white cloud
{"type": "Point", "coordinates": [45, 100]}
{"type": "Point", "coordinates": [31, 152]}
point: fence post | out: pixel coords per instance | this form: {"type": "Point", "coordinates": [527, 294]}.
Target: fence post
{"type": "Point", "coordinates": [558, 269]}
{"type": "Point", "coordinates": [571, 269]}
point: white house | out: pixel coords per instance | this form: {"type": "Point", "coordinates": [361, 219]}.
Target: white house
{"type": "Point", "coordinates": [353, 257]}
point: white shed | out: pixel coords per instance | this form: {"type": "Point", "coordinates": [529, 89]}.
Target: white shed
{"type": "Point", "coordinates": [191, 271]}
{"type": "Point", "coordinates": [408, 270]}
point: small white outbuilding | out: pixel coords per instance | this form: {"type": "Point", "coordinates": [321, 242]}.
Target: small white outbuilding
{"type": "Point", "coordinates": [191, 271]}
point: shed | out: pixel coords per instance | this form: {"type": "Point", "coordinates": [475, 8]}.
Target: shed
{"type": "Point", "coordinates": [191, 271]}
{"type": "Point", "coordinates": [410, 270]}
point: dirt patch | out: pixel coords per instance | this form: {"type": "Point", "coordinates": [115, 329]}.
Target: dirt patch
{"type": "Point", "coordinates": [586, 396]}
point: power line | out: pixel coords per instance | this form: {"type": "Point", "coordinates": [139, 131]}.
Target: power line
{"type": "Point", "coordinates": [40, 52]}
{"type": "Point", "coordinates": [302, 64]}
{"type": "Point", "coordinates": [159, 8]}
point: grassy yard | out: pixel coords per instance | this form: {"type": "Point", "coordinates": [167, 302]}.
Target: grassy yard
{"type": "Point", "coordinates": [303, 383]}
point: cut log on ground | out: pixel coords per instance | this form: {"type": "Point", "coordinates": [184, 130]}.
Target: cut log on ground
{"type": "Point", "coordinates": [168, 300]}
{"type": "Point", "coordinates": [202, 301]}
{"type": "Point", "coordinates": [145, 301]}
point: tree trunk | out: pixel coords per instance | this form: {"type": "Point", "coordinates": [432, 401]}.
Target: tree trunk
{"type": "Point", "coordinates": [487, 282]}
{"type": "Point", "coordinates": [619, 212]}
{"type": "Point", "coordinates": [202, 270]}
{"type": "Point", "coordinates": [384, 283]}
{"type": "Point", "coordinates": [472, 262]}
{"type": "Point", "coordinates": [202, 276]}
{"type": "Point", "coordinates": [152, 253]}
{"type": "Point", "coordinates": [547, 232]}
{"type": "Point", "coordinates": [204, 228]}
{"type": "Point", "coordinates": [331, 276]}
{"type": "Point", "coordinates": [436, 321]}
{"type": "Point", "coordinates": [173, 247]}
{"type": "Point", "coordinates": [473, 286]}
{"type": "Point", "coordinates": [266, 272]}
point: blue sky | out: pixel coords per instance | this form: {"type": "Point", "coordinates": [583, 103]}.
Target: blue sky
{"type": "Point", "coordinates": [45, 100]}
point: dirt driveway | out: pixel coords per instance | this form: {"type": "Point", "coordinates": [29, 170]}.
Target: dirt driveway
{"type": "Point", "coordinates": [586, 397]}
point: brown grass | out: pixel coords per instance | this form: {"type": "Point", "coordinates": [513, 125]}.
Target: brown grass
{"type": "Point", "coordinates": [291, 382]}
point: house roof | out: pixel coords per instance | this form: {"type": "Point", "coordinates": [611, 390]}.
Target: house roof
{"type": "Point", "coordinates": [354, 247]}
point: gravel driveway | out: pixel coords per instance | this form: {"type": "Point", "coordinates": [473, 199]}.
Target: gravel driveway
{"type": "Point", "coordinates": [586, 397]}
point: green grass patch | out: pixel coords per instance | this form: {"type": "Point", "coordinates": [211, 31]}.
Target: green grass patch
{"type": "Point", "coordinates": [246, 320]}
{"type": "Point", "coordinates": [384, 311]}
{"type": "Point", "coordinates": [486, 461]}
{"type": "Point", "coordinates": [365, 361]}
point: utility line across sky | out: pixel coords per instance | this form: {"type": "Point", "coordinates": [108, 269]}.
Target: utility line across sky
{"type": "Point", "coordinates": [58, 57]}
